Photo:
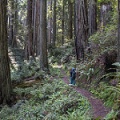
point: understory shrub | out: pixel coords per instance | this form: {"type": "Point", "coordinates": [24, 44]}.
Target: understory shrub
{"type": "Point", "coordinates": [52, 101]}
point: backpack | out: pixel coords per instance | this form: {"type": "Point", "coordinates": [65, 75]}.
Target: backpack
{"type": "Point", "coordinates": [73, 75]}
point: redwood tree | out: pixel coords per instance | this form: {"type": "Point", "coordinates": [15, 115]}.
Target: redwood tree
{"type": "Point", "coordinates": [81, 32]}
{"type": "Point", "coordinates": [13, 15]}
{"type": "Point", "coordinates": [43, 36]}
{"type": "Point", "coordinates": [119, 31]}
{"type": "Point", "coordinates": [54, 23]}
{"type": "Point", "coordinates": [63, 22]}
{"type": "Point", "coordinates": [37, 24]}
{"type": "Point", "coordinates": [92, 16]}
{"type": "Point", "coordinates": [49, 31]}
{"type": "Point", "coordinates": [11, 22]}
{"type": "Point", "coordinates": [5, 81]}
{"type": "Point", "coordinates": [29, 41]}
{"type": "Point", "coordinates": [70, 16]}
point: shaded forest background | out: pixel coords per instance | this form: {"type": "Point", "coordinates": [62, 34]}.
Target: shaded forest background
{"type": "Point", "coordinates": [39, 36]}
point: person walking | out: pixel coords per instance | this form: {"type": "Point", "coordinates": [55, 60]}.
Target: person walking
{"type": "Point", "coordinates": [72, 76]}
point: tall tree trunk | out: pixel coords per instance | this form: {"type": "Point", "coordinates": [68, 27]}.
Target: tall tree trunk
{"type": "Point", "coordinates": [63, 21]}
{"type": "Point", "coordinates": [12, 23]}
{"type": "Point", "coordinates": [5, 81]}
{"type": "Point", "coordinates": [14, 42]}
{"type": "Point", "coordinates": [43, 36]}
{"type": "Point", "coordinates": [81, 41]}
{"type": "Point", "coordinates": [54, 23]}
{"type": "Point", "coordinates": [92, 17]}
{"type": "Point", "coordinates": [70, 15]}
{"type": "Point", "coordinates": [11, 27]}
{"type": "Point", "coordinates": [49, 22]}
{"type": "Point", "coordinates": [38, 27]}
{"type": "Point", "coordinates": [118, 31]}
{"type": "Point", "coordinates": [29, 42]}
{"type": "Point", "coordinates": [75, 19]}
{"type": "Point", "coordinates": [34, 25]}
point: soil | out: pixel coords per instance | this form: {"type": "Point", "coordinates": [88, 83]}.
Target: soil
{"type": "Point", "coordinates": [98, 109]}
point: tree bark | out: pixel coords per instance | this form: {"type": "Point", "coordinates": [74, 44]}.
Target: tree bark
{"type": "Point", "coordinates": [34, 25]}
{"type": "Point", "coordinates": [118, 59]}
{"type": "Point", "coordinates": [14, 42]}
{"type": "Point", "coordinates": [49, 22]}
{"type": "Point", "coordinates": [70, 16]}
{"type": "Point", "coordinates": [54, 23]}
{"type": "Point", "coordinates": [43, 36]}
{"type": "Point", "coordinates": [38, 27]}
{"type": "Point", "coordinates": [29, 41]}
{"type": "Point", "coordinates": [81, 39]}
{"type": "Point", "coordinates": [13, 14]}
{"type": "Point", "coordinates": [63, 21]}
{"type": "Point", "coordinates": [92, 17]}
{"type": "Point", "coordinates": [5, 81]}
{"type": "Point", "coordinates": [11, 17]}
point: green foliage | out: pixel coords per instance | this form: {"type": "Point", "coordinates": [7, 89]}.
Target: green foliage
{"type": "Point", "coordinates": [105, 38]}
{"type": "Point", "coordinates": [57, 54]}
{"type": "Point", "coordinates": [116, 89]}
{"type": "Point", "coordinates": [86, 72]}
{"type": "Point", "coordinates": [109, 94]}
{"type": "Point", "coordinates": [104, 93]}
{"type": "Point", "coordinates": [52, 101]}
{"type": "Point", "coordinates": [27, 69]}
{"type": "Point", "coordinates": [113, 2]}
{"type": "Point", "coordinates": [104, 1]}
{"type": "Point", "coordinates": [54, 71]}
{"type": "Point", "coordinates": [75, 115]}
{"type": "Point", "coordinates": [111, 116]}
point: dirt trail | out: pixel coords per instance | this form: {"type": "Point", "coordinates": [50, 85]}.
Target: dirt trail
{"type": "Point", "coordinates": [98, 108]}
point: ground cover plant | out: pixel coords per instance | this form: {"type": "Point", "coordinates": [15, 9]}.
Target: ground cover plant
{"type": "Point", "coordinates": [51, 100]}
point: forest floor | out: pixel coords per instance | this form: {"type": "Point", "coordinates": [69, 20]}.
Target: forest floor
{"type": "Point", "coordinates": [99, 111]}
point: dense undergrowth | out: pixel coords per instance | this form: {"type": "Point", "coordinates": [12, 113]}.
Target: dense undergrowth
{"type": "Point", "coordinates": [99, 73]}
{"type": "Point", "coordinates": [51, 99]}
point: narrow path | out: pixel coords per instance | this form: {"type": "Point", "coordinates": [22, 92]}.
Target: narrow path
{"type": "Point", "coordinates": [98, 109]}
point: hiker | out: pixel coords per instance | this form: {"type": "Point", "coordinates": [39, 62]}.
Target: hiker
{"type": "Point", "coordinates": [72, 76]}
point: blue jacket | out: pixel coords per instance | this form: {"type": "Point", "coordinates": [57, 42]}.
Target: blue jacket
{"type": "Point", "coordinates": [73, 73]}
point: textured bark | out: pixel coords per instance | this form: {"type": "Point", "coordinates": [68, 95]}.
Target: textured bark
{"type": "Point", "coordinates": [50, 22]}
{"type": "Point", "coordinates": [43, 36]}
{"type": "Point", "coordinates": [14, 42]}
{"type": "Point", "coordinates": [54, 23]}
{"type": "Point", "coordinates": [38, 27]}
{"type": "Point", "coordinates": [92, 17]}
{"type": "Point", "coordinates": [34, 25]}
{"type": "Point", "coordinates": [81, 40]}
{"type": "Point", "coordinates": [63, 22]}
{"type": "Point", "coordinates": [11, 22]}
{"type": "Point", "coordinates": [5, 81]}
{"type": "Point", "coordinates": [118, 31]}
{"type": "Point", "coordinates": [70, 16]}
{"type": "Point", "coordinates": [13, 14]}
{"type": "Point", "coordinates": [75, 18]}
{"type": "Point", "coordinates": [29, 41]}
